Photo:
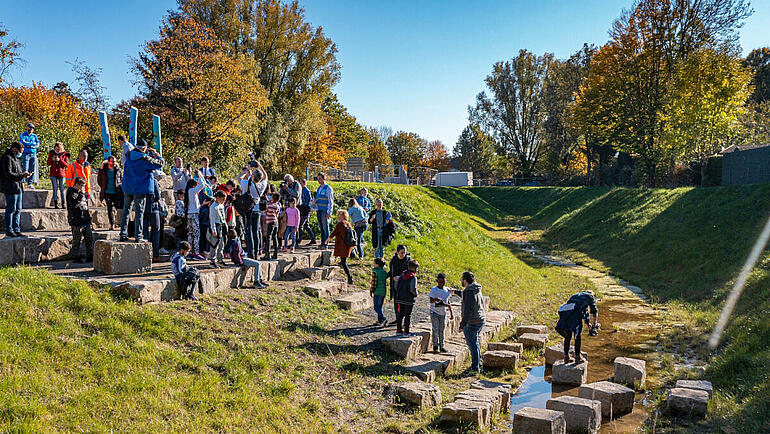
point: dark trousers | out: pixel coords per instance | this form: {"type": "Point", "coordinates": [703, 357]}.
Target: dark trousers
{"type": "Point", "coordinates": [272, 236]}
{"type": "Point", "coordinates": [578, 341]}
{"type": "Point", "coordinates": [253, 234]}
{"type": "Point", "coordinates": [187, 286]}
{"type": "Point", "coordinates": [152, 226]}
{"type": "Point", "coordinates": [344, 265]}
{"type": "Point", "coordinates": [403, 317]}
{"type": "Point", "coordinates": [87, 235]}
{"type": "Point", "coordinates": [112, 200]}
{"type": "Point", "coordinates": [204, 243]}
{"type": "Point", "coordinates": [304, 223]}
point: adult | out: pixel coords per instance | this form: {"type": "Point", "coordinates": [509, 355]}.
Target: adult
{"type": "Point", "coordinates": [253, 183]}
{"type": "Point", "coordinates": [571, 317]}
{"type": "Point", "coordinates": [358, 219]}
{"type": "Point", "coordinates": [363, 199]}
{"type": "Point", "coordinates": [154, 215]}
{"type": "Point", "coordinates": [138, 187]}
{"type": "Point", "coordinates": [304, 212]}
{"type": "Point", "coordinates": [406, 293]}
{"type": "Point", "coordinates": [58, 160]}
{"type": "Point", "coordinates": [192, 210]}
{"type": "Point", "coordinates": [125, 147]}
{"type": "Point", "coordinates": [290, 189]}
{"type": "Point", "coordinates": [29, 140]}
{"type": "Point", "coordinates": [109, 179]}
{"type": "Point", "coordinates": [179, 175]}
{"type": "Point", "coordinates": [205, 169]}
{"type": "Point", "coordinates": [473, 318]}
{"type": "Point", "coordinates": [80, 168]}
{"type": "Point", "coordinates": [11, 177]}
{"type": "Point", "coordinates": [382, 228]}
{"type": "Point", "coordinates": [398, 264]}
{"type": "Point", "coordinates": [341, 249]}
{"type": "Point", "coordinates": [324, 201]}
{"type": "Point", "coordinates": [79, 219]}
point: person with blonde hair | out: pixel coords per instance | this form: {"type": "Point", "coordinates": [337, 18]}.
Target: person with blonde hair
{"type": "Point", "coordinates": [344, 241]}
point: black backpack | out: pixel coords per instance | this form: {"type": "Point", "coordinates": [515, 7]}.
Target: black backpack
{"type": "Point", "coordinates": [350, 236]}
{"type": "Point", "coordinates": [245, 202]}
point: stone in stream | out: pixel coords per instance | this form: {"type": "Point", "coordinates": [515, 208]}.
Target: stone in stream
{"type": "Point", "coordinates": [697, 385]}
{"type": "Point", "coordinates": [114, 257]}
{"type": "Point", "coordinates": [581, 415]}
{"type": "Point", "coordinates": [475, 412]}
{"type": "Point", "coordinates": [531, 420]}
{"type": "Point", "coordinates": [500, 359]}
{"type": "Point", "coordinates": [533, 340]}
{"type": "Point", "coordinates": [503, 389]}
{"type": "Point", "coordinates": [483, 396]}
{"type": "Point", "coordinates": [616, 399]}
{"type": "Point", "coordinates": [688, 401]}
{"type": "Point", "coordinates": [536, 329]}
{"type": "Point", "coordinates": [573, 374]}
{"type": "Point", "coordinates": [420, 395]}
{"type": "Point", "coordinates": [631, 372]}
{"type": "Point", "coordinates": [516, 347]}
{"type": "Point", "coordinates": [556, 352]}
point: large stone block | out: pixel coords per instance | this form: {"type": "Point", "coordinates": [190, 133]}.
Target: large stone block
{"type": "Point", "coordinates": [328, 289]}
{"type": "Point", "coordinates": [631, 372]}
{"type": "Point", "coordinates": [408, 347]}
{"type": "Point", "coordinates": [420, 395]}
{"type": "Point", "coordinates": [500, 359]}
{"type": "Point", "coordinates": [475, 412]}
{"type": "Point", "coordinates": [697, 385]}
{"type": "Point", "coordinates": [483, 396]}
{"type": "Point", "coordinates": [290, 263]}
{"type": "Point", "coordinates": [533, 340]}
{"type": "Point", "coordinates": [688, 401]}
{"type": "Point", "coordinates": [516, 347]}
{"type": "Point", "coordinates": [326, 257]}
{"type": "Point", "coordinates": [531, 420]}
{"type": "Point", "coordinates": [556, 352]}
{"type": "Point", "coordinates": [114, 257]}
{"type": "Point", "coordinates": [502, 389]}
{"type": "Point", "coordinates": [581, 415]}
{"type": "Point", "coordinates": [427, 370]}
{"type": "Point", "coordinates": [33, 198]}
{"type": "Point", "coordinates": [573, 374]}
{"type": "Point", "coordinates": [320, 273]}
{"type": "Point", "coordinates": [315, 258]}
{"type": "Point", "coordinates": [616, 399]}
{"type": "Point", "coordinates": [355, 301]}
{"type": "Point", "coordinates": [532, 328]}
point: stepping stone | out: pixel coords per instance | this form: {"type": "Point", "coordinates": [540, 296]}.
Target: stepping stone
{"type": "Point", "coordinates": [320, 273]}
{"type": "Point", "coordinates": [356, 301]}
{"type": "Point", "coordinates": [408, 347]}
{"type": "Point", "coordinates": [688, 401]}
{"type": "Point", "coordinates": [556, 352]}
{"type": "Point", "coordinates": [516, 347]}
{"type": "Point", "coordinates": [114, 257]}
{"type": "Point", "coordinates": [531, 420]}
{"type": "Point", "coordinates": [483, 396]}
{"type": "Point", "coordinates": [288, 263]}
{"type": "Point", "coordinates": [427, 370]}
{"type": "Point", "coordinates": [503, 389]}
{"type": "Point", "coordinates": [535, 329]}
{"type": "Point", "coordinates": [631, 372]}
{"type": "Point", "coordinates": [32, 199]}
{"type": "Point", "coordinates": [697, 385]}
{"type": "Point", "coordinates": [420, 395]}
{"type": "Point", "coordinates": [581, 415]}
{"type": "Point", "coordinates": [573, 374]}
{"type": "Point", "coordinates": [500, 359]}
{"type": "Point", "coordinates": [325, 289]}
{"type": "Point", "coordinates": [533, 340]}
{"type": "Point", "coordinates": [616, 399]}
{"type": "Point", "coordinates": [475, 412]}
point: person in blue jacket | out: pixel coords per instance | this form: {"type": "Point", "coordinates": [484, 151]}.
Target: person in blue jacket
{"type": "Point", "coordinates": [30, 142]}
{"type": "Point", "coordinates": [138, 186]}
{"type": "Point", "coordinates": [571, 317]}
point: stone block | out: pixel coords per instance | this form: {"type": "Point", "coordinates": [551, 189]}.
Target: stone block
{"type": "Point", "coordinates": [427, 370]}
{"type": "Point", "coordinates": [531, 328]}
{"type": "Point", "coordinates": [531, 420]}
{"type": "Point", "coordinates": [691, 402]}
{"type": "Point", "coordinates": [273, 270]}
{"type": "Point", "coordinates": [326, 257]}
{"type": "Point", "coordinates": [356, 301]}
{"type": "Point", "coordinates": [500, 359]}
{"type": "Point", "coordinates": [315, 258]}
{"type": "Point", "coordinates": [420, 395]}
{"type": "Point", "coordinates": [631, 372]}
{"type": "Point", "coordinates": [533, 340]}
{"type": "Point", "coordinates": [475, 412]}
{"type": "Point", "coordinates": [697, 385]}
{"type": "Point", "coordinates": [581, 415]}
{"type": "Point", "coordinates": [320, 273]}
{"type": "Point", "coordinates": [114, 257]}
{"type": "Point", "coordinates": [328, 289]}
{"type": "Point", "coordinates": [288, 263]}
{"type": "Point", "coordinates": [556, 352]}
{"type": "Point", "coordinates": [573, 374]}
{"type": "Point", "coordinates": [502, 389]}
{"type": "Point", "coordinates": [484, 396]}
{"type": "Point", "coordinates": [408, 347]}
{"type": "Point", "coordinates": [516, 347]}
{"type": "Point", "coordinates": [33, 198]}
{"type": "Point", "coordinates": [616, 399]}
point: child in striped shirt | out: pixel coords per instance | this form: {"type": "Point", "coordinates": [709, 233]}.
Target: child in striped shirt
{"type": "Point", "coordinates": [271, 219]}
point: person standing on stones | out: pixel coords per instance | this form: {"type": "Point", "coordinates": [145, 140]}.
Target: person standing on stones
{"type": "Point", "coordinates": [138, 187]}
{"type": "Point", "coordinates": [406, 292]}
{"type": "Point", "coordinates": [439, 302]}
{"type": "Point", "coordinates": [571, 317]}
{"type": "Point", "coordinates": [29, 157]}
{"type": "Point", "coordinates": [383, 228]}
{"type": "Point", "coordinates": [179, 174]}
{"type": "Point", "coordinates": [473, 318]}
{"type": "Point", "coordinates": [109, 179]}
{"type": "Point", "coordinates": [253, 183]}
{"type": "Point", "coordinates": [324, 201]}
{"type": "Point", "coordinates": [79, 219]}
{"type": "Point", "coordinates": [58, 160]}
{"type": "Point", "coordinates": [304, 213]}
{"type": "Point", "coordinates": [11, 180]}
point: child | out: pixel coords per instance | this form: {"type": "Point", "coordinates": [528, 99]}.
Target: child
{"type": "Point", "coordinates": [271, 219]}
{"type": "Point", "coordinates": [79, 219]}
{"type": "Point", "coordinates": [379, 290]}
{"type": "Point", "coordinates": [439, 301]}
{"type": "Point", "coordinates": [217, 229]}
{"type": "Point", "coordinates": [236, 254]}
{"type": "Point", "coordinates": [186, 276]}
{"type": "Point", "coordinates": [229, 212]}
{"type": "Point", "coordinates": [406, 292]}
{"type": "Point", "coordinates": [292, 223]}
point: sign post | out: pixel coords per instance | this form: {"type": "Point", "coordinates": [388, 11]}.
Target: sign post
{"type": "Point", "coordinates": [133, 118]}
{"type": "Point", "coordinates": [106, 144]}
{"type": "Point", "coordinates": [156, 137]}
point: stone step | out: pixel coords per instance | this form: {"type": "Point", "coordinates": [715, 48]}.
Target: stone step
{"type": "Point", "coordinates": [355, 301]}
{"type": "Point", "coordinates": [327, 289]}
{"type": "Point", "coordinates": [477, 404]}
{"type": "Point", "coordinates": [39, 198]}
{"type": "Point", "coordinates": [50, 219]}
{"type": "Point", "coordinates": [530, 420]}
{"type": "Point", "coordinates": [580, 414]}
{"type": "Point", "coordinates": [321, 272]}
{"type": "Point", "coordinates": [42, 246]}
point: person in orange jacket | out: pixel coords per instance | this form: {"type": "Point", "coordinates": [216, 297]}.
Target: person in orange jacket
{"type": "Point", "coordinates": [80, 168]}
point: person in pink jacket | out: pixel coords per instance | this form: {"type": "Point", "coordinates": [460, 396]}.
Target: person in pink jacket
{"type": "Point", "coordinates": [292, 224]}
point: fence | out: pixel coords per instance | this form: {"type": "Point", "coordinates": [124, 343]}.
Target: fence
{"type": "Point", "coordinates": [748, 166]}
{"type": "Point", "coordinates": [394, 174]}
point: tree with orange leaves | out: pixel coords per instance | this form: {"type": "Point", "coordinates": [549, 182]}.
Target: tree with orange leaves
{"type": "Point", "coordinates": [436, 156]}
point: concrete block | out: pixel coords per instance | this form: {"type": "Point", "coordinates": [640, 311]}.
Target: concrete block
{"type": "Point", "coordinates": [114, 257]}
{"type": "Point", "coordinates": [327, 289]}
{"type": "Point", "coordinates": [533, 340]}
{"type": "Point", "coordinates": [581, 415]}
{"type": "Point", "coordinates": [427, 370]}
{"type": "Point", "coordinates": [631, 372]}
{"type": "Point", "coordinates": [573, 374]}
{"type": "Point", "coordinates": [697, 385]}
{"type": "Point", "coordinates": [516, 347]}
{"type": "Point", "coordinates": [356, 301]}
{"type": "Point", "coordinates": [688, 401]}
{"type": "Point", "coordinates": [556, 352]}
{"type": "Point", "coordinates": [502, 389]}
{"type": "Point", "coordinates": [475, 412]}
{"type": "Point", "coordinates": [500, 359]}
{"type": "Point", "coordinates": [420, 395]}
{"type": "Point", "coordinates": [531, 328]}
{"type": "Point", "coordinates": [616, 399]}
{"type": "Point", "coordinates": [531, 420]}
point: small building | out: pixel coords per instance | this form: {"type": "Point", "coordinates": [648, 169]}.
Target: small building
{"type": "Point", "coordinates": [746, 165]}
{"type": "Point", "coordinates": [454, 179]}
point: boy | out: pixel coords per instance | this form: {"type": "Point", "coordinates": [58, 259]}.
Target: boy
{"type": "Point", "coordinates": [379, 290]}
{"type": "Point", "coordinates": [439, 301]}
{"type": "Point", "coordinates": [186, 277]}
{"type": "Point", "coordinates": [216, 227]}
{"type": "Point", "coordinates": [292, 223]}
{"type": "Point", "coordinates": [271, 219]}
{"type": "Point", "coordinates": [79, 219]}
{"type": "Point", "coordinates": [236, 254]}
{"type": "Point", "coordinates": [406, 292]}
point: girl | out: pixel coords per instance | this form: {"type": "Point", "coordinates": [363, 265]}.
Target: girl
{"type": "Point", "coordinates": [59, 160]}
{"type": "Point", "coordinates": [109, 180]}
{"type": "Point", "coordinates": [292, 223]}
{"type": "Point", "coordinates": [192, 208]}
{"type": "Point", "coordinates": [236, 254]}
{"type": "Point", "coordinates": [342, 250]}
{"type": "Point", "coordinates": [358, 217]}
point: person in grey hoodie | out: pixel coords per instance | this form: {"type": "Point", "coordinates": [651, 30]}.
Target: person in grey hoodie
{"type": "Point", "coordinates": [473, 317]}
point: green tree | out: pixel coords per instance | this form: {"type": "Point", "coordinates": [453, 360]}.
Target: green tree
{"type": "Point", "coordinates": [406, 148]}
{"type": "Point", "coordinates": [759, 62]}
{"type": "Point", "coordinates": [475, 152]}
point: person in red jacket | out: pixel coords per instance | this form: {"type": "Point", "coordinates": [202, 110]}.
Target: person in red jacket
{"type": "Point", "coordinates": [341, 249]}
{"type": "Point", "coordinates": [58, 160]}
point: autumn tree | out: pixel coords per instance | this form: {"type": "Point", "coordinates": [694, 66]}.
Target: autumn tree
{"type": "Point", "coordinates": [406, 148]}
{"type": "Point", "coordinates": [91, 92]}
{"type": "Point", "coordinates": [759, 63]}
{"type": "Point", "coordinates": [475, 152]}
{"type": "Point", "coordinates": [436, 156]}
{"type": "Point", "coordinates": [10, 53]}
{"type": "Point", "coordinates": [376, 152]}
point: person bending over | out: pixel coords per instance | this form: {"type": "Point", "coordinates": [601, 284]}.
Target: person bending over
{"type": "Point", "coordinates": [571, 317]}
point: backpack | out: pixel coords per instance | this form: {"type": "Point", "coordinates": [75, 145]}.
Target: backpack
{"type": "Point", "coordinates": [350, 236]}
{"type": "Point", "coordinates": [245, 202]}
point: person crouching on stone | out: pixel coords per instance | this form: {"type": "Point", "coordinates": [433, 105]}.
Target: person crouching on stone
{"type": "Point", "coordinates": [79, 219]}
{"type": "Point", "coordinates": [571, 317]}
{"type": "Point", "coordinates": [186, 276]}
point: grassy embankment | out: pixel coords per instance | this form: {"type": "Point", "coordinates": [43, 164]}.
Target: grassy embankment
{"type": "Point", "coordinates": [78, 358]}
{"type": "Point", "coordinates": [684, 247]}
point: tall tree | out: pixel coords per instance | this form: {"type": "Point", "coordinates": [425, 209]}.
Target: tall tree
{"type": "Point", "coordinates": [759, 62]}
{"type": "Point", "coordinates": [406, 148]}
{"type": "Point", "coordinates": [514, 113]}
{"type": "Point", "coordinates": [377, 152]}
{"type": "Point", "coordinates": [436, 156]}
{"type": "Point", "coordinates": [91, 92]}
{"type": "Point", "coordinates": [10, 52]}
{"type": "Point", "coordinates": [475, 152]}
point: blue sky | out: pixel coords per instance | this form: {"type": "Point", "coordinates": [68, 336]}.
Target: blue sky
{"type": "Point", "coordinates": [411, 65]}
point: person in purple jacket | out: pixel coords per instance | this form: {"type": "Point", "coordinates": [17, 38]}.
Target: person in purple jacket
{"type": "Point", "coordinates": [235, 250]}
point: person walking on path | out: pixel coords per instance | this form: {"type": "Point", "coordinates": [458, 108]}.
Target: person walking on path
{"type": "Point", "coordinates": [571, 317]}
{"type": "Point", "coordinates": [379, 290]}
{"type": "Point", "coordinates": [324, 201]}
{"type": "Point", "coordinates": [358, 217]}
{"type": "Point", "coordinates": [342, 249]}
{"type": "Point", "coordinates": [138, 187]}
{"type": "Point", "coordinates": [29, 162]}
{"type": "Point", "coordinates": [58, 160]}
{"type": "Point", "coordinates": [473, 318]}
{"type": "Point", "coordinates": [363, 200]}
{"type": "Point", "coordinates": [79, 219]}
{"type": "Point", "coordinates": [253, 183]}
{"type": "Point", "coordinates": [439, 301]}
{"type": "Point", "coordinates": [382, 229]}
{"type": "Point", "coordinates": [398, 263]}
{"type": "Point", "coordinates": [11, 180]}
{"type": "Point", "coordinates": [109, 179]}
{"type": "Point", "coordinates": [80, 168]}
{"type": "Point", "coordinates": [304, 213]}
{"type": "Point", "coordinates": [406, 292]}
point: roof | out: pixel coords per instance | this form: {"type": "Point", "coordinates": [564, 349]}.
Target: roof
{"type": "Point", "coordinates": [734, 148]}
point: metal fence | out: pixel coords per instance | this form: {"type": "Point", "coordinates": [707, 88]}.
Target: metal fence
{"type": "Point", "coordinates": [748, 166]}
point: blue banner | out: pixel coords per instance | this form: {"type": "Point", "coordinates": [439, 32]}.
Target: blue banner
{"type": "Point", "coordinates": [156, 138]}
{"type": "Point", "coordinates": [133, 118]}
{"type": "Point", "coordinates": [106, 144]}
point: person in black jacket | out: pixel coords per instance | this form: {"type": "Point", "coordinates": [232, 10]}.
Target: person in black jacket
{"type": "Point", "coordinates": [11, 177]}
{"type": "Point", "coordinates": [406, 292]}
{"type": "Point", "coordinates": [79, 219]}
{"type": "Point", "coordinates": [383, 228]}
{"type": "Point", "coordinates": [572, 314]}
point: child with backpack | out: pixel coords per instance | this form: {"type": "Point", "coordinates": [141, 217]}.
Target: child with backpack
{"type": "Point", "coordinates": [186, 277]}
{"type": "Point", "coordinates": [344, 241]}
{"type": "Point", "coordinates": [379, 290]}
{"type": "Point", "coordinates": [406, 292]}
{"type": "Point", "coordinates": [236, 255]}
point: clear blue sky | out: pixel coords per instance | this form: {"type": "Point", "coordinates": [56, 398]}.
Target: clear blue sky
{"type": "Point", "coordinates": [411, 65]}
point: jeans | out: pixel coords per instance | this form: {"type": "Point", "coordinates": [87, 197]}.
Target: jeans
{"type": "Point", "coordinates": [58, 189]}
{"type": "Point", "coordinates": [578, 341]}
{"type": "Point", "coordinates": [323, 222]}
{"type": "Point", "coordinates": [379, 251]}
{"type": "Point", "coordinates": [248, 262]}
{"type": "Point", "coordinates": [29, 164]}
{"type": "Point", "coordinates": [254, 234]}
{"type": "Point", "coordinates": [152, 223]}
{"type": "Point", "coordinates": [88, 237]}
{"type": "Point", "coordinates": [359, 239]}
{"type": "Point", "coordinates": [379, 300]}
{"type": "Point", "coordinates": [403, 317]}
{"type": "Point", "coordinates": [471, 332]}
{"type": "Point", "coordinates": [12, 212]}
{"type": "Point", "coordinates": [138, 201]}
{"type": "Point", "coordinates": [304, 223]}
{"type": "Point", "coordinates": [437, 323]}
{"type": "Point", "coordinates": [218, 250]}
{"type": "Point", "coordinates": [290, 234]}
